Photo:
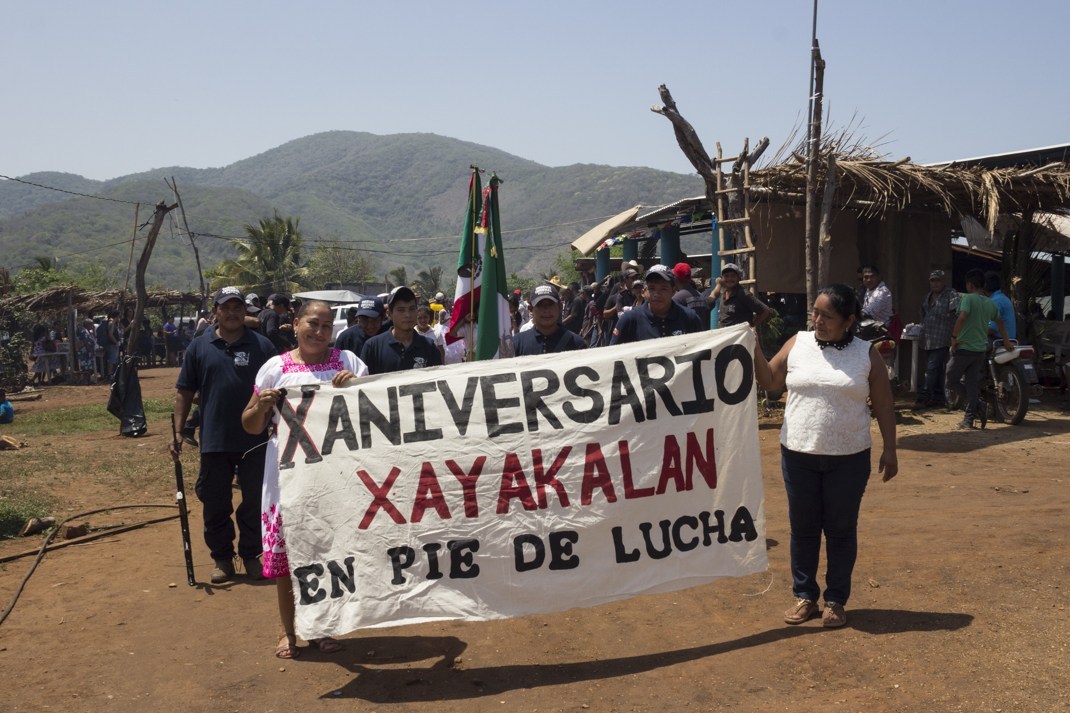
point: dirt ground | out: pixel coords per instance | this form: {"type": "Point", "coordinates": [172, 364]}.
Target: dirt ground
{"type": "Point", "coordinates": [959, 604]}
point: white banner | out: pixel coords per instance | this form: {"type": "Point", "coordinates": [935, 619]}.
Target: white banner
{"type": "Point", "coordinates": [519, 486]}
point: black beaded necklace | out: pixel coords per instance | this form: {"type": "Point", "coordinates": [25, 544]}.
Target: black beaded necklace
{"type": "Point", "coordinates": [838, 345]}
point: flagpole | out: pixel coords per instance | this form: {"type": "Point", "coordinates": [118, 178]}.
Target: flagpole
{"type": "Point", "coordinates": [469, 336]}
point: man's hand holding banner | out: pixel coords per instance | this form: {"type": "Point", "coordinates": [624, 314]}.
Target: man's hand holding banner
{"type": "Point", "coordinates": [511, 487]}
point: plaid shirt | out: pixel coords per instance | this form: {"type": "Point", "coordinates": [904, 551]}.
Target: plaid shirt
{"type": "Point", "coordinates": [938, 316]}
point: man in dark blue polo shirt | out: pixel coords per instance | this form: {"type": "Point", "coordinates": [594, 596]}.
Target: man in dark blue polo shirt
{"type": "Point", "coordinates": [369, 322]}
{"type": "Point", "coordinates": [659, 316]}
{"type": "Point", "coordinates": [221, 365]}
{"type": "Point", "coordinates": [400, 347]}
{"type": "Point", "coordinates": [547, 334]}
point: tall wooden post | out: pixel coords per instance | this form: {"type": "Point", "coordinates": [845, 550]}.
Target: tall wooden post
{"type": "Point", "coordinates": [813, 155]}
{"type": "Point", "coordinates": [162, 209]}
{"type": "Point", "coordinates": [824, 240]}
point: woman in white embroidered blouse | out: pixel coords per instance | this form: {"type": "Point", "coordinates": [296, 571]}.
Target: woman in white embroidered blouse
{"type": "Point", "coordinates": [312, 362]}
{"type": "Point", "coordinates": [831, 377]}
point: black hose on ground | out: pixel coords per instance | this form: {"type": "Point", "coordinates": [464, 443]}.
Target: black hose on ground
{"type": "Point", "coordinates": [48, 540]}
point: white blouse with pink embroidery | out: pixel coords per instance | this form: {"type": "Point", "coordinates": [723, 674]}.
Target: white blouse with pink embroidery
{"type": "Point", "coordinates": [283, 372]}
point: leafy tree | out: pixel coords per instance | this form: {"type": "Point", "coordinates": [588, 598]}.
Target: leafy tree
{"type": "Point", "coordinates": [524, 284]}
{"type": "Point", "coordinates": [398, 276]}
{"type": "Point", "coordinates": [564, 266]}
{"type": "Point", "coordinates": [337, 264]}
{"type": "Point", "coordinates": [96, 275]}
{"type": "Point", "coordinates": [269, 261]}
{"type": "Point", "coordinates": [428, 282]}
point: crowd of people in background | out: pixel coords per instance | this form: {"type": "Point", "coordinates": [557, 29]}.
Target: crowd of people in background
{"type": "Point", "coordinates": [238, 358]}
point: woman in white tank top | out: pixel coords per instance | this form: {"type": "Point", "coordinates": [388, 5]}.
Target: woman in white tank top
{"type": "Point", "coordinates": [825, 445]}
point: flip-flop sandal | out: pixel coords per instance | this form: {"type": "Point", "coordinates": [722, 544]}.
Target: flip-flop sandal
{"type": "Point", "coordinates": [326, 645]}
{"type": "Point", "coordinates": [286, 650]}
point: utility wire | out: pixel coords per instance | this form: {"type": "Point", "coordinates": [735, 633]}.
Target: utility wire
{"type": "Point", "coordinates": [73, 193]}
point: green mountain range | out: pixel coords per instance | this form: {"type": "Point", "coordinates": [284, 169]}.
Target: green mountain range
{"type": "Point", "coordinates": [401, 198]}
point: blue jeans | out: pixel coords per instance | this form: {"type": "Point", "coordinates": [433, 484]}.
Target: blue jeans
{"type": "Point", "coordinates": [966, 367]}
{"type": "Point", "coordinates": [932, 389]}
{"type": "Point", "coordinates": [824, 496]}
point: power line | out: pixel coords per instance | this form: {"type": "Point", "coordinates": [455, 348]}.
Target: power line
{"type": "Point", "coordinates": [73, 193]}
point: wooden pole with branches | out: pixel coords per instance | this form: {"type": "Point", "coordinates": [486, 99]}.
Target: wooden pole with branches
{"type": "Point", "coordinates": [173, 185]}
{"type": "Point", "coordinates": [162, 209]}
{"type": "Point", "coordinates": [710, 169]}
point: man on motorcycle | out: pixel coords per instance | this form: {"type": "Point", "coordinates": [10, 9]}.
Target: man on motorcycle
{"type": "Point", "coordinates": [969, 343]}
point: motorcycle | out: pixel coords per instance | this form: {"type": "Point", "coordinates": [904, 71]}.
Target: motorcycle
{"type": "Point", "coordinates": [882, 337]}
{"type": "Point", "coordinates": [1004, 383]}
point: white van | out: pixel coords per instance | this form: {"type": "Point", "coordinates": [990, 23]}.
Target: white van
{"type": "Point", "coordinates": [340, 323]}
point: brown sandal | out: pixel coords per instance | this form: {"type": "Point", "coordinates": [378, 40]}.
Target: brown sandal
{"type": "Point", "coordinates": [287, 648]}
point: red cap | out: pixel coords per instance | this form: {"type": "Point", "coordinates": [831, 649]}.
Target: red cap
{"type": "Point", "coordinates": [682, 271]}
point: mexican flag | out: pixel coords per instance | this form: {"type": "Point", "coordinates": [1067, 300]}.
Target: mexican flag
{"type": "Point", "coordinates": [481, 270]}
{"type": "Point", "coordinates": [494, 321]}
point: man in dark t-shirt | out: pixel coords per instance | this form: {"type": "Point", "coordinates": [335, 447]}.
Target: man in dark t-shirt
{"type": "Point", "coordinates": [221, 366]}
{"type": "Point", "coordinates": [369, 322]}
{"type": "Point", "coordinates": [737, 305]}
{"type": "Point", "coordinates": [687, 295]}
{"type": "Point", "coordinates": [659, 316]}
{"type": "Point", "coordinates": [400, 348]}
{"type": "Point", "coordinates": [547, 335]}
{"type": "Point", "coordinates": [275, 324]}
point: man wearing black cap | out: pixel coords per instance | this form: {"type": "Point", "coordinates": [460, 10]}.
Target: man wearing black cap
{"type": "Point", "coordinates": [276, 325]}
{"type": "Point", "coordinates": [737, 305]}
{"type": "Point", "coordinates": [369, 321]}
{"type": "Point", "coordinates": [400, 348]}
{"type": "Point", "coordinates": [659, 316]}
{"type": "Point", "coordinates": [221, 366]}
{"type": "Point", "coordinates": [547, 335]}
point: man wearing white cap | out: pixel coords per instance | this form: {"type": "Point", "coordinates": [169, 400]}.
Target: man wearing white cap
{"type": "Point", "coordinates": [547, 335]}
{"type": "Point", "coordinates": [737, 306]}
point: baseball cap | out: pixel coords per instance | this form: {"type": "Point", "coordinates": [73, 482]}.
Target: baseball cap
{"type": "Point", "coordinates": [682, 271]}
{"type": "Point", "coordinates": [249, 298]}
{"type": "Point", "coordinates": [440, 297]}
{"type": "Point", "coordinates": [224, 294]}
{"type": "Point", "coordinates": [733, 267]}
{"type": "Point", "coordinates": [401, 292]}
{"type": "Point", "coordinates": [936, 275]}
{"type": "Point", "coordinates": [370, 307]}
{"type": "Point", "coordinates": [543, 293]}
{"type": "Point", "coordinates": [659, 272]}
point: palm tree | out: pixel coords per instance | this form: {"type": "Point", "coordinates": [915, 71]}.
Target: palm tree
{"type": "Point", "coordinates": [428, 282]}
{"type": "Point", "coordinates": [398, 276]}
{"type": "Point", "coordinates": [270, 260]}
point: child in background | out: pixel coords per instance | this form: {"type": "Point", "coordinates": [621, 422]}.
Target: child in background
{"type": "Point", "coordinates": [7, 411]}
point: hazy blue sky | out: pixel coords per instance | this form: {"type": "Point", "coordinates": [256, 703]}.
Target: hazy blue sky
{"type": "Point", "coordinates": [108, 88]}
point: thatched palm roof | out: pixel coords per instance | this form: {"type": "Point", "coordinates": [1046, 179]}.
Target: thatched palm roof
{"type": "Point", "coordinates": [873, 187]}
{"type": "Point", "coordinates": [55, 299]}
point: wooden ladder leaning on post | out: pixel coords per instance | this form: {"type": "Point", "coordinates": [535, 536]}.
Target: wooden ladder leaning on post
{"type": "Point", "coordinates": [731, 217]}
